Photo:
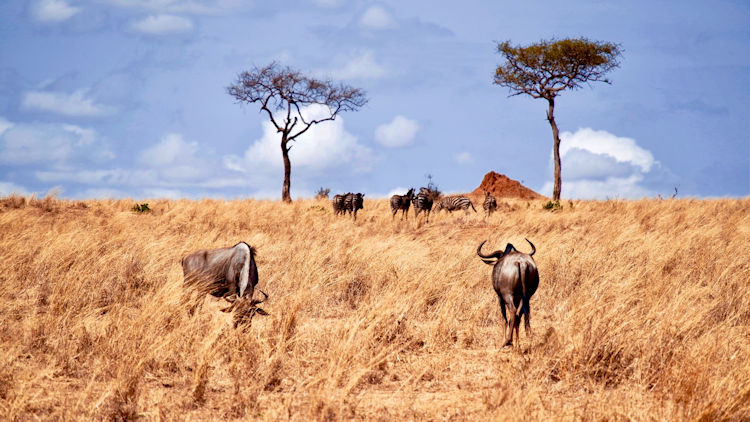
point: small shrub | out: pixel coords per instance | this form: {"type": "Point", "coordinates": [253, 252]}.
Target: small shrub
{"type": "Point", "coordinates": [322, 193]}
{"type": "Point", "coordinates": [141, 208]}
{"type": "Point", "coordinates": [13, 201]}
{"type": "Point", "coordinates": [552, 206]}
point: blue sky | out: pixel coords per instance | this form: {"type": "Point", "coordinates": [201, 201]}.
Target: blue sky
{"type": "Point", "coordinates": [127, 98]}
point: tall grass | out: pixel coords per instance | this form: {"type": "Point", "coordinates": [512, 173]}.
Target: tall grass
{"type": "Point", "coordinates": [643, 312]}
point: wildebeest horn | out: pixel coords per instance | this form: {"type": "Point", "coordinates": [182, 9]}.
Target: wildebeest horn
{"type": "Point", "coordinates": [533, 249]}
{"type": "Point", "coordinates": [489, 259]}
{"type": "Point", "coordinates": [255, 302]}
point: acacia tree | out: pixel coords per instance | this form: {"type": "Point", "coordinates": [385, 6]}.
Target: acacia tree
{"type": "Point", "coordinates": [545, 69]}
{"type": "Point", "coordinates": [286, 92]}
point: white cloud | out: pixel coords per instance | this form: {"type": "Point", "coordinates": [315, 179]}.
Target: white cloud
{"type": "Point", "coordinates": [177, 160]}
{"type": "Point", "coordinates": [597, 164]}
{"type": "Point", "coordinates": [8, 188]}
{"type": "Point", "coordinates": [48, 143]}
{"type": "Point", "coordinates": [376, 17]}
{"type": "Point", "coordinates": [75, 104]}
{"type": "Point", "coordinates": [194, 7]}
{"type": "Point", "coordinates": [172, 148]}
{"type": "Point", "coordinates": [4, 125]}
{"type": "Point", "coordinates": [464, 158]}
{"type": "Point", "coordinates": [53, 10]}
{"type": "Point", "coordinates": [325, 145]}
{"type": "Point", "coordinates": [163, 25]}
{"type": "Point", "coordinates": [398, 133]}
{"type": "Point", "coordinates": [395, 191]}
{"type": "Point", "coordinates": [624, 150]}
{"type": "Point", "coordinates": [362, 66]}
{"type": "Point", "coordinates": [328, 3]}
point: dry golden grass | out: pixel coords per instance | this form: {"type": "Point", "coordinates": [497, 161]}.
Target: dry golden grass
{"type": "Point", "coordinates": [643, 312]}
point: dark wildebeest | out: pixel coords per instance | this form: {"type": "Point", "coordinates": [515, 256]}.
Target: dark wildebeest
{"type": "Point", "coordinates": [228, 273]}
{"type": "Point", "coordinates": [401, 202]}
{"type": "Point", "coordinates": [489, 205]}
{"type": "Point", "coordinates": [515, 279]}
{"type": "Point", "coordinates": [338, 203]}
{"type": "Point", "coordinates": [354, 202]}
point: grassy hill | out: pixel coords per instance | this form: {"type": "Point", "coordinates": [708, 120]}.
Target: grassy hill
{"type": "Point", "coordinates": [643, 312]}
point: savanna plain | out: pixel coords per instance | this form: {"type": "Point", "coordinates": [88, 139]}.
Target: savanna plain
{"type": "Point", "coordinates": [642, 313]}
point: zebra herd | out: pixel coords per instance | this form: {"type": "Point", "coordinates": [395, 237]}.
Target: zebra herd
{"type": "Point", "coordinates": [348, 202]}
{"type": "Point", "coordinates": [423, 203]}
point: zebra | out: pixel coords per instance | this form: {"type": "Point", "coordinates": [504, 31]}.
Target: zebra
{"type": "Point", "coordinates": [490, 204]}
{"type": "Point", "coordinates": [354, 202]}
{"type": "Point", "coordinates": [401, 202]}
{"type": "Point", "coordinates": [453, 203]}
{"type": "Point", "coordinates": [338, 203]}
{"type": "Point", "coordinates": [422, 202]}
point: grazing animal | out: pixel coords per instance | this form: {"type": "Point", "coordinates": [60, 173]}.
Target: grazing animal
{"type": "Point", "coordinates": [490, 204]}
{"type": "Point", "coordinates": [515, 279]}
{"type": "Point", "coordinates": [228, 273]}
{"type": "Point", "coordinates": [453, 203]}
{"type": "Point", "coordinates": [422, 202]}
{"type": "Point", "coordinates": [401, 202]}
{"type": "Point", "coordinates": [354, 202]}
{"type": "Point", "coordinates": [338, 204]}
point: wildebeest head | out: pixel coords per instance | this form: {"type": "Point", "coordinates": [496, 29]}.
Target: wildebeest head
{"type": "Point", "coordinates": [494, 257]}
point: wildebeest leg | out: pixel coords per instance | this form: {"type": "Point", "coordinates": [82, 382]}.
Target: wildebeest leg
{"type": "Point", "coordinates": [505, 316]}
{"type": "Point", "coordinates": [511, 324]}
{"type": "Point", "coordinates": [527, 312]}
{"type": "Point", "coordinates": [517, 323]}
{"type": "Point", "coordinates": [395, 211]}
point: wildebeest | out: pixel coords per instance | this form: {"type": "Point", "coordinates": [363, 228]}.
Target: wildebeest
{"type": "Point", "coordinates": [354, 202]}
{"type": "Point", "coordinates": [401, 202]}
{"type": "Point", "coordinates": [422, 202]}
{"type": "Point", "coordinates": [490, 204]}
{"type": "Point", "coordinates": [228, 273]}
{"type": "Point", "coordinates": [453, 203]}
{"type": "Point", "coordinates": [338, 204]}
{"type": "Point", "coordinates": [515, 279]}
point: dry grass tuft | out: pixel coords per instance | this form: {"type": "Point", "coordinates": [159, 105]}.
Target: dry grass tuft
{"type": "Point", "coordinates": [643, 312]}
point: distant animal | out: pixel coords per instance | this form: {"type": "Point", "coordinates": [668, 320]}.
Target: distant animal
{"type": "Point", "coordinates": [338, 203]}
{"type": "Point", "coordinates": [422, 202]}
{"type": "Point", "coordinates": [453, 203]}
{"type": "Point", "coordinates": [490, 204]}
{"type": "Point", "coordinates": [228, 273]}
{"type": "Point", "coordinates": [354, 202]}
{"type": "Point", "coordinates": [515, 279]}
{"type": "Point", "coordinates": [401, 202]}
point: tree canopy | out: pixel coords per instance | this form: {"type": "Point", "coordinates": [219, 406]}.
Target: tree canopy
{"type": "Point", "coordinates": [279, 88]}
{"type": "Point", "coordinates": [543, 69]}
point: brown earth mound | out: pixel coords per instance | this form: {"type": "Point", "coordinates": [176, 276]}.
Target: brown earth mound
{"type": "Point", "coordinates": [501, 186]}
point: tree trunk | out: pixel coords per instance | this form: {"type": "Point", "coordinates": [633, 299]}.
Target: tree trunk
{"type": "Point", "coordinates": [556, 149]}
{"type": "Point", "coordinates": [285, 196]}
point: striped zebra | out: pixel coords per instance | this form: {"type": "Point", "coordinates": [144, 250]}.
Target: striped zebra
{"type": "Point", "coordinates": [490, 204]}
{"type": "Point", "coordinates": [338, 203]}
{"type": "Point", "coordinates": [401, 202]}
{"type": "Point", "coordinates": [422, 202]}
{"type": "Point", "coordinates": [453, 203]}
{"type": "Point", "coordinates": [354, 202]}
